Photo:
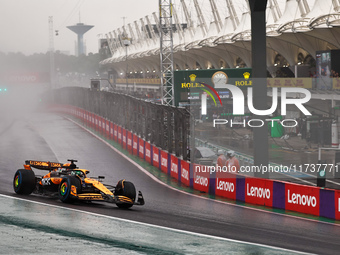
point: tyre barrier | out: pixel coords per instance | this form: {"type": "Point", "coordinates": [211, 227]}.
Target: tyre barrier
{"type": "Point", "coordinates": [264, 192]}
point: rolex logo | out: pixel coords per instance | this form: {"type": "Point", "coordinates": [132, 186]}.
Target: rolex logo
{"type": "Point", "coordinates": [192, 77]}
{"type": "Point", "coordinates": [246, 75]}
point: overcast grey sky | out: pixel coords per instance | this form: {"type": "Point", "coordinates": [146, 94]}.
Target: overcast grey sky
{"type": "Point", "coordinates": [24, 23]}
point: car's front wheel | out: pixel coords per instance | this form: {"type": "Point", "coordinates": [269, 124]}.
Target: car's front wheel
{"type": "Point", "coordinates": [125, 189]}
{"type": "Point", "coordinates": [24, 182]}
{"type": "Point", "coordinates": [65, 192]}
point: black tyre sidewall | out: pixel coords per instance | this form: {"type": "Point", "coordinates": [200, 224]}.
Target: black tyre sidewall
{"type": "Point", "coordinates": [27, 182]}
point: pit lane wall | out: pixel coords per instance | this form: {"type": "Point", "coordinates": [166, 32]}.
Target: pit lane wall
{"type": "Point", "coordinates": [264, 192]}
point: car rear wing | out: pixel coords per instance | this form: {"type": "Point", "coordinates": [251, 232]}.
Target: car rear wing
{"type": "Point", "coordinates": [42, 165]}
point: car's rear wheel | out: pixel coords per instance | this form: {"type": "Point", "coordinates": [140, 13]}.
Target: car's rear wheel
{"type": "Point", "coordinates": [24, 182]}
{"type": "Point", "coordinates": [64, 191]}
{"type": "Point", "coordinates": [127, 189]}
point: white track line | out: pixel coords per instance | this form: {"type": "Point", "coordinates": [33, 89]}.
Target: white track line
{"type": "Point", "coordinates": [156, 226]}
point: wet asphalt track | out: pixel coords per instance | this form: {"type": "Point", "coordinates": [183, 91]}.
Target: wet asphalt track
{"type": "Point", "coordinates": [51, 137]}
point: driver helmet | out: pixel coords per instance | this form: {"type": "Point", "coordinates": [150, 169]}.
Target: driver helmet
{"type": "Point", "coordinates": [220, 152]}
{"type": "Point", "coordinates": [231, 154]}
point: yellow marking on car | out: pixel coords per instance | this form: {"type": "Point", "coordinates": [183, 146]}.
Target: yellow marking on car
{"type": "Point", "coordinates": [97, 184]}
{"type": "Point", "coordinates": [73, 190]}
{"type": "Point", "coordinates": [124, 199]}
{"type": "Point", "coordinates": [90, 196]}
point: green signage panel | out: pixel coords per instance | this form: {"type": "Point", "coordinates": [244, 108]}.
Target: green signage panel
{"type": "Point", "coordinates": [189, 84]}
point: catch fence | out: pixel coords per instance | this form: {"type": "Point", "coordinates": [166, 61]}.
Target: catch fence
{"type": "Point", "coordinates": [166, 127]}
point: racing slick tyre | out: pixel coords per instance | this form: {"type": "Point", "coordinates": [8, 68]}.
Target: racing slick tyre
{"type": "Point", "coordinates": [64, 190]}
{"type": "Point", "coordinates": [24, 182]}
{"type": "Point", "coordinates": [127, 189]}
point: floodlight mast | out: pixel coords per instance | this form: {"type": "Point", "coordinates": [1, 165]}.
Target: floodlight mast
{"type": "Point", "coordinates": [166, 52]}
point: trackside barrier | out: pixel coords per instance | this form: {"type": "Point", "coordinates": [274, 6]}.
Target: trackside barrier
{"type": "Point", "coordinates": [135, 145]}
{"type": "Point", "coordinates": [129, 141]}
{"type": "Point", "coordinates": [165, 162]}
{"type": "Point", "coordinates": [111, 130]}
{"type": "Point", "coordinates": [270, 193]}
{"type": "Point", "coordinates": [185, 172]}
{"type": "Point", "coordinates": [175, 167]}
{"type": "Point", "coordinates": [156, 157]}
{"type": "Point", "coordinates": [124, 142]}
{"type": "Point", "coordinates": [148, 152]}
{"type": "Point", "coordinates": [141, 148]}
{"type": "Point", "coordinates": [201, 176]}
{"type": "Point", "coordinates": [119, 134]}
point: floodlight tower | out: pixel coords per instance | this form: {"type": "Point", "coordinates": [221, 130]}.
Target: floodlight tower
{"type": "Point", "coordinates": [80, 29]}
{"type": "Point", "coordinates": [166, 52]}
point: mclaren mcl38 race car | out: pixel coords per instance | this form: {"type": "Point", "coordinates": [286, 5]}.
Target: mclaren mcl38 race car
{"type": "Point", "coordinates": [72, 184]}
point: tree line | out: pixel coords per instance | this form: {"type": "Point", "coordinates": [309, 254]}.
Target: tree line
{"type": "Point", "coordinates": [40, 62]}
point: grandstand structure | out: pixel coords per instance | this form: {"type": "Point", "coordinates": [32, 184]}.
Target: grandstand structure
{"type": "Point", "coordinates": [216, 34]}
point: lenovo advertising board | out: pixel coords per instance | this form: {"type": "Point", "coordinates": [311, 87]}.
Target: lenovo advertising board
{"type": "Point", "coordinates": [141, 152]}
{"type": "Point", "coordinates": [148, 156]}
{"type": "Point", "coordinates": [156, 156]}
{"type": "Point", "coordinates": [201, 178]}
{"type": "Point", "coordinates": [135, 145]}
{"type": "Point", "coordinates": [164, 161]}
{"type": "Point", "coordinates": [107, 128]}
{"type": "Point", "coordinates": [174, 167]}
{"type": "Point", "coordinates": [115, 132]}
{"type": "Point", "coordinates": [129, 141]}
{"type": "Point", "coordinates": [185, 173]}
{"type": "Point", "coordinates": [337, 204]}
{"type": "Point", "coordinates": [259, 191]}
{"type": "Point", "coordinates": [226, 185]}
{"type": "Point", "coordinates": [119, 134]}
{"type": "Point", "coordinates": [124, 138]}
{"type": "Point", "coordinates": [111, 131]}
{"type": "Point", "coordinates": [304, 199]}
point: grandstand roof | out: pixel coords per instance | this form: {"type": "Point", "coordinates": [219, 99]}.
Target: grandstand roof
{"type": "Point", "coordinates": [222, 39]}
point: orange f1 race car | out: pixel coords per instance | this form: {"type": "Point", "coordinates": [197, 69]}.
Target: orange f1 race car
{"type": "Point", "coordinates": [71, 183]}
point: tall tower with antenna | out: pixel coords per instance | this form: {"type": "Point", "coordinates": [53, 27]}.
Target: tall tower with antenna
{"type": "Point", "coordinates": [80, 29]}
{"type": "Point", "coordinates": [166, 52]}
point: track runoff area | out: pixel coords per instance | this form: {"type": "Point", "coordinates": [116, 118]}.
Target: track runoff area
{"type": "Point", "coordinates": [66, 225]}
